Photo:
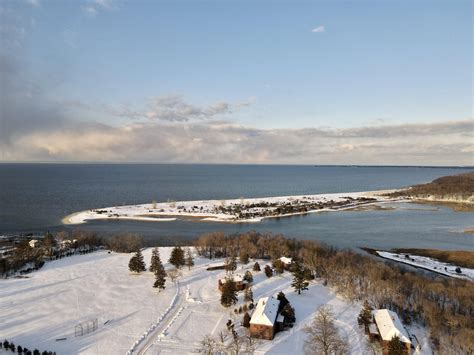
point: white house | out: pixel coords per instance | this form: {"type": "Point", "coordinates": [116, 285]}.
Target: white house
{"type": "Point", "coordinates": [389, 326]}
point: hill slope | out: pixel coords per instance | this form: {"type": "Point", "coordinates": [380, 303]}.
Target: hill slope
{"type": "Point", "coordinates": [455, 188]}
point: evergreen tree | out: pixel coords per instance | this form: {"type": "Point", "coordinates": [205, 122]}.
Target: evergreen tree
{"type": "Point", "coordinates": [137, 264]}
{"type": "Point", "coordinates": [283, 301]}
{"type": "Point", "coordinates": [229, 295]}
{"type": "Point", "coordinates": [268, 271]}
{"type": "Point", "coordinates": [365, 316]}
{"type": "Point", "coordinates": [189, 260]}
{"type": "Point", "coordinates": [299, 281]}
{"type": "Point", "coordinates": [248, 294]}
{"type": "Point", "coordinates": [256, 267]}
{"type": "Point", "coordinates": [246, 321]}
{"type": "Point", "coordinates": [248, 276]}
{"type": "Point", "coordinates": [158, 270]}
{"type": "Point", "coordinates": [395, 346]}
{"type": "Point", "coordinates": [289, 313]}
{"type": "Point", "coordinates": [177, 257]}
{"type": "Point", "coordinates": [155, 261]}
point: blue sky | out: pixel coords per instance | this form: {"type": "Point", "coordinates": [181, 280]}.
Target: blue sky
{"type": "Point", "coordinates": [275, 64]}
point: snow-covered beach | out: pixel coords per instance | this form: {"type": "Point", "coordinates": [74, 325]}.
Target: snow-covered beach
{"type": "Point", "coordinates": [242, 210]}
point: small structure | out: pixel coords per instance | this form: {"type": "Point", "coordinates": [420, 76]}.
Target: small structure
{"type": "Point", "coordinates": [33, 243]}
{"type": "Point", "coordinates": [86, 327]}
{"type": "Point", "coordinates": [286, 262]}
{"type": "Point", "coordinates": [264, 317]}
{"type": "Point", "coordinates": [388, 326]}
{"type": "Point", "coordinates": [240, 283]}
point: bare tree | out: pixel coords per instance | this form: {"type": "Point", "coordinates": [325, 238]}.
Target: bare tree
{"type": "Point", "coordinates": [250, 344]}
{"type": "Point", "coordinates": [208, 345]}
{"type": "Point", "coordinates": [173, 274]}
{"type": "Point", "coordinates": [323, 337]}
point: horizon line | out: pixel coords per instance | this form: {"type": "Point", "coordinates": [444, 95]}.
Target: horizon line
{"type": "Point", "coordinates": [234, 164]}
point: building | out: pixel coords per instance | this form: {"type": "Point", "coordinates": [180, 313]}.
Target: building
{"type": "Point", "coordinates": [286, 262]}
{"type": "Point", "coordinates": [240, 283]}
{"type": "Point", "coordinates": [264, 318]}
{"type": "Point", "coordinates": [33, 243]}
{"type": "Point", "coordinates": [388, 326]}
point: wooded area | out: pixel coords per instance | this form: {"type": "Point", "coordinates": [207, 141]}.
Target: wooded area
{"type": "Point", "coordinates": [461, 185]}
{"type": "Point", "coordinates": [445, 306]}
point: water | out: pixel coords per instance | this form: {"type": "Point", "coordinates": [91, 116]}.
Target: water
{"type": "Point", "coordinates": [35, 197]}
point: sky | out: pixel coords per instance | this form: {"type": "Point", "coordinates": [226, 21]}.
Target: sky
{"type": "Point", "coordinates": [260, 82]}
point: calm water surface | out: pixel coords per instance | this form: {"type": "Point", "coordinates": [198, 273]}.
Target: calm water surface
{"type": "Point", "coordinates": [35, 197]}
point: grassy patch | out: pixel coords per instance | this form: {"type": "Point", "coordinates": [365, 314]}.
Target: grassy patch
{"type": "Point", "coordinates": [458, 257]}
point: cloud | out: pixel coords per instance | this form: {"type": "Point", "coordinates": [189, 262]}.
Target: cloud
{"type": "Point", "coordinates": [89, 10]}
{"type": "Point", "coordinates": [172, 108]}
{"type": "Point", "coordinates": [319, 29]}
{"type": "Point", "coordinates": [34, 2]}
{"type": "Point", "coordinates": [223, 142]}
{"type": "Point", "coordinates": [93, 7]}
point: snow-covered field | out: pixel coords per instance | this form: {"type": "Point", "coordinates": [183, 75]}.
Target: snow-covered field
{"type": "Point", "coordinates": [430, 264]}
{"type": "Point", "coordinates": [36, 311]}
{"type": "Point", "coordinates": [206, 209]}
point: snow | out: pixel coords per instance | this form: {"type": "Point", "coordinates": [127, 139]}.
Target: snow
{"type": "Point", "coordinates": [133, 316]}
{"type": "Point", "coordinates": [235, 278]}
{"type": "Point", "coordinates": [389, 325]}
{"type": "Point", "coordinates": [285, 260]}
{"type": "Point", "coordinates": [265, 311]}
{"type": "Point", "coordinates": [430, 264]}
{"type": "Point", "coordinates": [207, 209]}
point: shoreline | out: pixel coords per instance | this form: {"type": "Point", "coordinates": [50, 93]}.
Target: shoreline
{"type": "Point", "coordinates": [226, 210]}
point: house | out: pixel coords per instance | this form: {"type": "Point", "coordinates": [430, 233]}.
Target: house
{"type": "Point", "coordinates": [33, 243]}
{"type": "Point", "coordinates": [286, 262]}
{"type": "Point", "coordinates": [264, 318]}
{"type": "Point", "coordinates": [240, 283]}
{"type": "Point", "coordinates": [389, 325]}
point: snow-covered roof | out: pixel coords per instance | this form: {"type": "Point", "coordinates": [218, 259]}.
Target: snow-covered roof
{"type": "Point", "coordinates": [33, 242]}
{"type": "Point", "coordinates": [373, 328]}
{"type": "Point", "coordinates": [389, 325]}
{"type": "Point", "coordinates": [266, 311]}
{"type": "Point", "coordinates": [236, 278]}
{"type": "Point", "coordinates": [286, 260]}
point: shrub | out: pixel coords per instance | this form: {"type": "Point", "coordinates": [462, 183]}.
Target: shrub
{"type": "Point", "coordinates": [256, 267]}
{"type": "Point", "coordinates": [268, 271]}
